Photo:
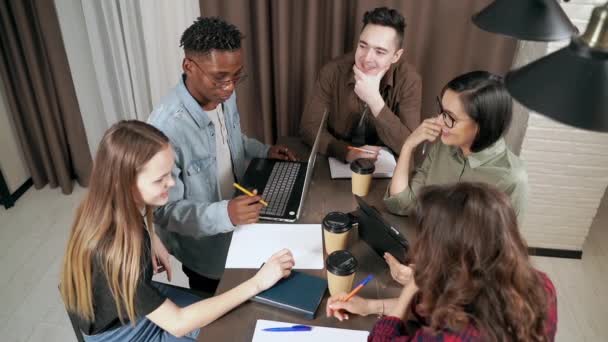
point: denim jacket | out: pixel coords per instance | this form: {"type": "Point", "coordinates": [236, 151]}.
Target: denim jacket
{"type": "Point", "coordinates": [194, 223]}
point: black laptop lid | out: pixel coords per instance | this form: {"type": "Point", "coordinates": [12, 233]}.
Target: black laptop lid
{"type": "Point", "coordinates": [380, 235]}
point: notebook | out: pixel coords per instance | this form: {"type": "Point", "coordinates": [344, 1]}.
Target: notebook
{"type": "Point", "coordinates": [317, 334]}
{"type": "Point", "coordinates": [385, 165]}
{"type": "Point", "coordinates": [253, 244]}
{"type": "Point", "coordinates": [299, 293]}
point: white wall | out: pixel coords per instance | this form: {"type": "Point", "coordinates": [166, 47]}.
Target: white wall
{"type": "Point", "coordinates": [11, 161]}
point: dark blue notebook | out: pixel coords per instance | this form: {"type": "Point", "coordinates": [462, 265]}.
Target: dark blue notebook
{"type": "Point", "coordinates": [300, 293]}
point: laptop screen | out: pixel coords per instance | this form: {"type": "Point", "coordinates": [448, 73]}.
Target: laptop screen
{"type": "Point", "coordinates": [315, 147]}
{"type": "Point", "coordinates": [311, 161]}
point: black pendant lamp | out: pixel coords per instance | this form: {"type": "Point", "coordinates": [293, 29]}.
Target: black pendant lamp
{"type": "Point", "coordinates": [571, 84]}
{"type": "Point", "coordinates": [539, 20]}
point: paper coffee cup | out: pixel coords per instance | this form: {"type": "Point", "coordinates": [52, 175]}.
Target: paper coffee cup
{"type": "Point", "coordinates": [362, 171]}
{"type": "Point", "coordinates": [341, 268]}
{"type": "Point", "coordinates": [336, 230]}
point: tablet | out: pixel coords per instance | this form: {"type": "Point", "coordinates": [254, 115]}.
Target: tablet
{"type": "Point", "coordinates": [378, 234]}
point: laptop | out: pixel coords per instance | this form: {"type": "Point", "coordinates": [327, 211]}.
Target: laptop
{"type": "Point", "coordinates": [378, 234]}
{"type": "Point", "coordinates": [283, 184]}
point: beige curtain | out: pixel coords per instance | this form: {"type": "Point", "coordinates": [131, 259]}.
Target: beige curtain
{"type": "Point", "coordinates": [288, 41]}
{"type": "Point", "coordinates": [36, 77]}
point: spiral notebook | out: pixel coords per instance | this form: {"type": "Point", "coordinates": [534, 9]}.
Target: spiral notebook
{"type": "Point", "coordinates": [299, 293]}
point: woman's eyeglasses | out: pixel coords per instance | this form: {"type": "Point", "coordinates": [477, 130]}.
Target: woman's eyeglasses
{"type": "Point", "coordinates": [447, 118]}
{"type": "Point", "coordinates": [222, 84]}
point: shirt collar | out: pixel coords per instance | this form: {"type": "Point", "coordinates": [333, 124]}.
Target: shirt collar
{"type": "Point", "coordinates": [194, 108]}
{"type": "Point", "coordinates": [484, 156]}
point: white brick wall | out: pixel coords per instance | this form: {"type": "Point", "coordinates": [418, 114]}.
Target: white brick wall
{"type": "Point", "coordinates": [567, 167]}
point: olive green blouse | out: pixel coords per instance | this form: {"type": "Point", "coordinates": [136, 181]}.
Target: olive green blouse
{"type": "Point", "coordinates": [495, 165]}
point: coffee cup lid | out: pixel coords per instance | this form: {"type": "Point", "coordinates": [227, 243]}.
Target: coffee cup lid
{"type": "Point", "coordinates": [337, 222]}
{"type": "Point", "coordinates": [363, 166]}
{"type": "Point", "coordinates": [341, 263]}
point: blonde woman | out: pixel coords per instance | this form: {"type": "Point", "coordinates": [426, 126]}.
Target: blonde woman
{"type": "Point", "coordinates": [112, 252]}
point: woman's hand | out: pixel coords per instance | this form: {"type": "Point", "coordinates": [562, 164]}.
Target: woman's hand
{"type": "Point", "coordinates": [399, 272]}
{"type": "Point", "coordinates": [337, 307]}
{"type": "Point", "coordinates": [278, 266]}
{"type": "Point", "coordinates": [428, 130]}
{"type": "Point", "coordinates": [161, 260]}
{"type": "Point", "coordinates": [401, 308]}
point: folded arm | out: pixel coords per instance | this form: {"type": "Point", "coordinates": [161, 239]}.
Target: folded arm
{"type": "Point", "coordinates": [319, 101]}
{"type": "Point", "coordinates": [394, 128]}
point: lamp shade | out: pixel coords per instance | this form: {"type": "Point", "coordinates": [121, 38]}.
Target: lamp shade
{"type": "Point", "coordinates": [538, 20]}
{"type": "Point", "coordinates": [569, 85]}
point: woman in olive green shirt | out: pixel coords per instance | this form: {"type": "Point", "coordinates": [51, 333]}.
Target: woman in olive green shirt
{"type": "Point", "coordinates": [475, 112]}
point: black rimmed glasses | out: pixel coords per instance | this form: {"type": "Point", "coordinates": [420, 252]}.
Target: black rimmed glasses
{"type": "Point", "coordinates": [222, 83]}
{"type": "Point", "coordinates": [448, 119]}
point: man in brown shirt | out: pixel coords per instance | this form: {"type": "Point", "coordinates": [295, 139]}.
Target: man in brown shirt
{"type": "Point", "coordinates": [373, 95]}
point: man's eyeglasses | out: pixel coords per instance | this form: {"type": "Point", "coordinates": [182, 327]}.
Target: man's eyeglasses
{"type": "Point", "coordinates": [447, 118]}
{"type": "Point", "coordinates": [222, 84]}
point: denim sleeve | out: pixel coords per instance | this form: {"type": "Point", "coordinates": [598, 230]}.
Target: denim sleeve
{"type": "Point", "coordinates": [254, 148]}
{"type": "Point", "coordinates": [194, 218]}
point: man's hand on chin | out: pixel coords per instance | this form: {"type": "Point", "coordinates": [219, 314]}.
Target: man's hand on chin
{"type": "Point", "coordinates": [367, 88]}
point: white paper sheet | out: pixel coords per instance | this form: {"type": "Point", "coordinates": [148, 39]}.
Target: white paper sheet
{"type": "Point", "coordinates": [317, 334]}
{"type": "Point", "coordinates": [385, 165]}
{"type": "Point", "coordinates": [253, 244]}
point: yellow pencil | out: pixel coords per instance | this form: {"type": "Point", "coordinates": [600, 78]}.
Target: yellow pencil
{"type": "Point", "coordinates": [248, 193]}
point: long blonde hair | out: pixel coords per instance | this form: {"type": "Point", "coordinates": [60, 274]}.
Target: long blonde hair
{"type": "Point", "coordinates": [108, 228]}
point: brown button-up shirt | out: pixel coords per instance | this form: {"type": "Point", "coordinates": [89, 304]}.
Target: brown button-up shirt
{"type": "Point", "coordinates": [400, 88]}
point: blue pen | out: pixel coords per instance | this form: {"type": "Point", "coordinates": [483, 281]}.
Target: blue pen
{"type": "Point", "coordinates": [291, 328]}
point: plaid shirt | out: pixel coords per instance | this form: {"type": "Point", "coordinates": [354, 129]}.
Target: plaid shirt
{"type": "Point", "coordinates": [393, 329]}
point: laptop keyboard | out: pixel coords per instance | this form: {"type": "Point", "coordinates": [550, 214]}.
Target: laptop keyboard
{"type": "Point", "coordinates": [279, 187]}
